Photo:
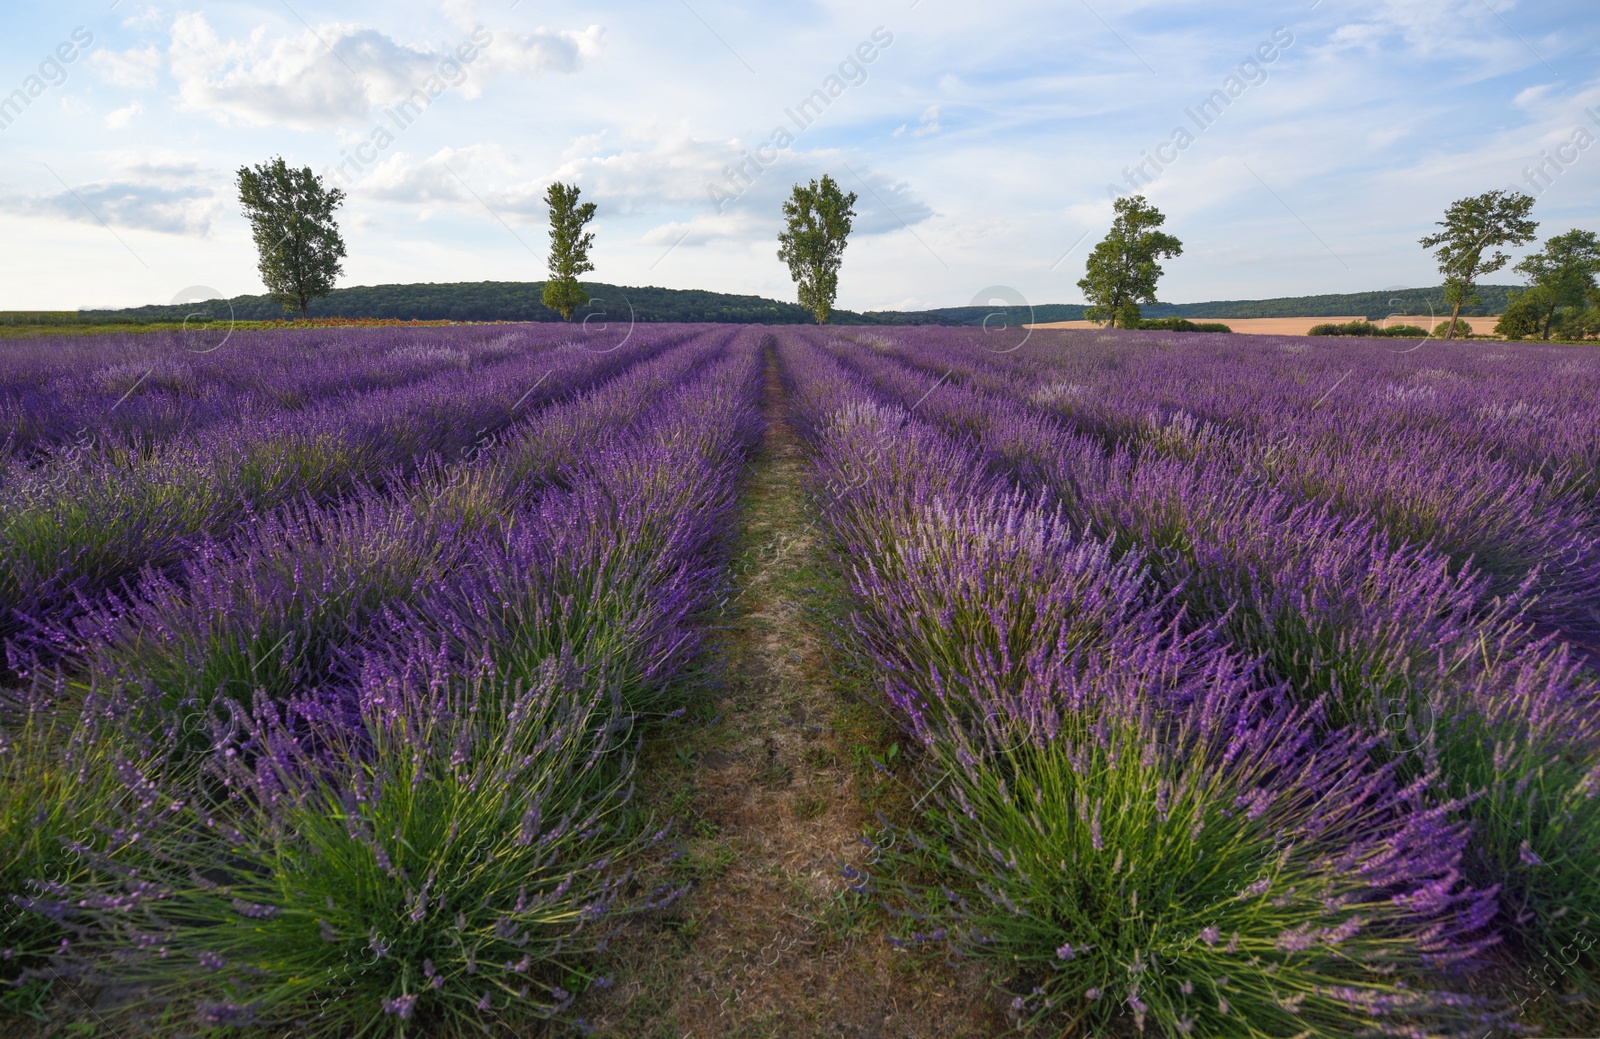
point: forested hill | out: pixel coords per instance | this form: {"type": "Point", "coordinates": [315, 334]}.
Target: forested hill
{"type": "Point", "coordinates": [517, 301]}
{"type": "Point", "coordinates": [1374, 305]}
{"type": "Point", "coordinates": [520, 301]}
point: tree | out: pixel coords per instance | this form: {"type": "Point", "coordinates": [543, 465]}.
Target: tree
{"type": "Point", "coordinates": [1523, 316]}
{"type": "Point", "coordinates": [1122, 271]}
{"type": "Point", "coordinates": [1586, 322]}
{"type": "Point", "coordinates": [1471, 225]}
{"type": "Point", "coordinates": [569, 249]}
{"type": "Point", "coordinates": [812, 244]}
{"type": "Point", "coordinates": [291, 220]}
{"type": "Point", "coordinates": [1563, 272]}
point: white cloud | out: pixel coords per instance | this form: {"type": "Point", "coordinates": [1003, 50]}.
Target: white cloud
{"type": "Point", "coordinates": [130, 69]}
{"type": "Point", "coordinates": [400, 179]}
{"type": "Point", "coordinates": [170, 169]}
{"type": "Point", "coordinates": [545, 50]}
{"type": "Point", "coordinates": [705, 229]}
{"type": "Point", "coordinates": [1470, 34]}
{"type": "Point", "coordinates": [143, 17]}
{"type": "Point", "coordinates": [121, 117]}
{"type": "Point", "coordinates": [886, 205]}
{"type": "Point", "coordinates": [926, 126]}
{"type": "Point", "coordinates": [655, 168]}
{"type": "Point", "coordinates": [131, 204]}
{"type": "Point", "coordinates": [338, 73]}
{"type": "Point", "coordinates": [461, 13]}
{"type": "Point", "coordinates": [660, 173]}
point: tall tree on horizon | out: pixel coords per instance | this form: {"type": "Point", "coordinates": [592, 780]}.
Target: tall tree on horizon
{"type": "Point", "coordinates": [1472, 225]}
{"type": "Point", "coordinates": [1122, 271]}
{"type": "Point", "coordinates": [296, 236]}
{"type": "Point", "coordinates": [1563, 272]}
{"type": "Point", "coordinates": [818, 222]}
{"type": "Point", "coordinates": [569, 249]}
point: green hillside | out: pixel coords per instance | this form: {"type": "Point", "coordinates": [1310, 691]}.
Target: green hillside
{"type": "Point", "coordinates": [520, 301]}
{"type": "Point", "coordinates": [512, 301]}
{"type": "Point", "coordinates": [1372, 305]}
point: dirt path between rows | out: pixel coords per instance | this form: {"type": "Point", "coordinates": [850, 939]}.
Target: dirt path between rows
{"type": "Point", "coordinates": [776, 793]}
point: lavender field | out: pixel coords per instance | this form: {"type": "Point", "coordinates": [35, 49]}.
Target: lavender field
{"type": "Point", "coordinates": [1235, 686]}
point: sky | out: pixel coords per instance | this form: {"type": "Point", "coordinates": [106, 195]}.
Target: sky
{"type": "Point", "coordinates": [1296, 148]}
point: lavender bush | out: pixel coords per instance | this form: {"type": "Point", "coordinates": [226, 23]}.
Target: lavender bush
{"type": "Point", "coordinates": [449, 862]}
{"type": "Point", "coordinates": [394, 794]}
{"type": "Point", "coordinates": [1123, 812]}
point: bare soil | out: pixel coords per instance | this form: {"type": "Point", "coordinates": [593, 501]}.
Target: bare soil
{"type": "Point", "coordinates": [775, 796]}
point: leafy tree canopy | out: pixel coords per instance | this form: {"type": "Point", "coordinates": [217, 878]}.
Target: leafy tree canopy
{"type": "Point", "coordinates": [817, 225]}
{"type": "Point", "coordinates": [1471, 226]}
{"type": "Point", "coordinates": [569, 249]}
{"type": "Point", "coordinates": [297, 239]}
{"type": "Point", "coordinates": [1563, 273]}
{"type": "Point", "coordinates": [1122, 271]}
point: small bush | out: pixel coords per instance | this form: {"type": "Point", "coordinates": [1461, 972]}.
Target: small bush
{"type": "Point", "coordinates": [1126, 821]}
{"type": "Point", "coordinates": [1178, 324]}
{"type": "Point", "coordinates": [1523, 753]}
{"type": "Point", "coordinates": [1524, 315]}
{"type": "Point", "coordinates": [59, 783]}
{"type": "Point", "coordinates": [447, 864]}
{"type": "Point", "coordinates": [1349, 328]}
{"type": "Point", "coordinates": [1583, 324]}
{"type": "Point", "coordinates": [1370, 330]}
{"type": "Point", "coordinates": [1223, 872]}
{"type": "Point", "coordinates": [268, 611]}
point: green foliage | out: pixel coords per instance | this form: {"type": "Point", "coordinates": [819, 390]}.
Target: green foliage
{"type": "Point", "coordinates": [522, 301]}
{"type": "Point", "coordinates": [569, 249]}
{"type": "Point", "coordinates": [1471, 226]}
{"type": "Point", "coordinates": [1179, 324]}
{"type": "Point", "coordinates": [1583, 324]}
{"type": "Point", "coordinates": [279, 607]}
{"type": "Point", "coordinates": [1524, 316]}
{"type": "Point", "coordinates": [291, 220]}
{"type": "Point", "coordinates": [58, 782]}
{"type": "Point", "coordinates": [1563, 274]}
{"type": "Point", "coordinates": [817, 227]}
{"type": "Point", "coordinates": [446, 870]}
{"type": "Point", "coordinates": [1367, 328]}
{"type": "Point", "coordinates": [1122, 271]}
{"type": "Point", "coordinates": [1113, 871]}
{"type": "Point", "coordinates": [1529, 778]}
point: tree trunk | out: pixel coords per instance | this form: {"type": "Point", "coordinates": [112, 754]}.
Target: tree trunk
{"type": "Point", "coordinates": [1455, 315]}
{"type": "Point", "coordinates": [1549, 317]}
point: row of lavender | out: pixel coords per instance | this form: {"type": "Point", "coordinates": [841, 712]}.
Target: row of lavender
{"type": "Point", "coordinates": [361, 752]}
{"type": "Point", "coordinates": [1510, 483]}
{"type": "Point", "coordinates": [141, 390]}
{"type": "Point", "coordinates": [79, 520]}
{"type": "Point", "coordinates": [1208, 749]}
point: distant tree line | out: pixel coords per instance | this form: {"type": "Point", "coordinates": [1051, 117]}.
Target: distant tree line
{"type": "Point", "coordinates": [523, 301]}
{"type": "Point", "coordinates": [300, 249]}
